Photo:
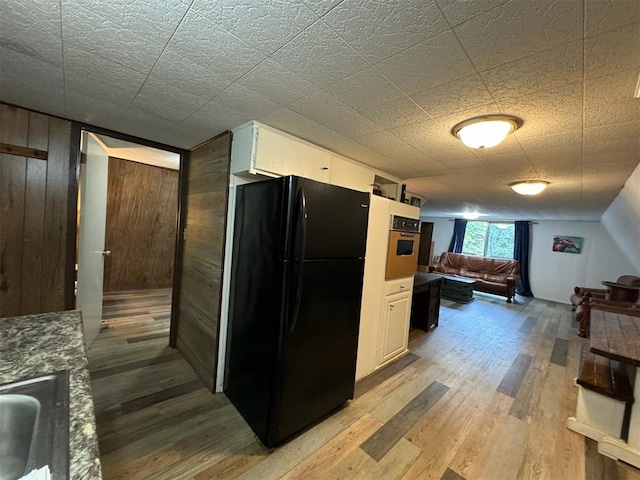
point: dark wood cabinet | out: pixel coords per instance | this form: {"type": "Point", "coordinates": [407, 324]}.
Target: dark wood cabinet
{"type": "Point", "coordinates": [425, 306]}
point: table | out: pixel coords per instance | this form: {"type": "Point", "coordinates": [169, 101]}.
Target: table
{"type": "Point", "coordinates": [622, 293]}
{"type": "Point", "coordinates": [458, 289]}
{"type": "Point", "coordinates": [425, 304]}
{"type": "Point", "coordinates": [617, 336]}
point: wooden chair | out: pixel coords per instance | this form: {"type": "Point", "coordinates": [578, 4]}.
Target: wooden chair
{"type": "Point", "coordinates": [609, 293]}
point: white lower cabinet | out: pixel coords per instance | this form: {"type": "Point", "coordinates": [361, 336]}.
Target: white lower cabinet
{"type": "Point", "coordinates": [386, 304]}
{"type": "Point", "coordinates": [396, 326]}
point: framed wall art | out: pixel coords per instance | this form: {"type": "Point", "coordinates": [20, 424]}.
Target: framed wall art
{"type": "Point", "coordinates": [567, 244]}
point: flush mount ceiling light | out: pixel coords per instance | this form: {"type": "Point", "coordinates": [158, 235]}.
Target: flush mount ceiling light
{"type": "Point", "coordinates": [529, 187]}
{"type": "Point", "coordinates": [486, 131]}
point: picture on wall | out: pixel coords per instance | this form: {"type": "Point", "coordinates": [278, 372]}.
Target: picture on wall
{"type": "Point", "coordinates": [567, 244]}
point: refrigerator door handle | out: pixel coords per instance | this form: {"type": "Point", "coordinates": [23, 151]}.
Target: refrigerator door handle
{"type": "Point", "coordinates": [296, 308]}
{"type": "Point", "coordinates": [302, 203]}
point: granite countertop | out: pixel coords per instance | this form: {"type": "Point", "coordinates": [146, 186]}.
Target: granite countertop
{"type": "Point", "coordinates": [34, 345]}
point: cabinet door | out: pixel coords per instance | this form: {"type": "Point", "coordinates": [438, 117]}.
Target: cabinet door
{"type": "Point", "coordinates": [314, 163]}
{"type": "Point", "coordinates": [350, 175]}
{"type": "Point", "coordinates": [280, 155]}
{"type": "Point", "coordinates": [396, 336]}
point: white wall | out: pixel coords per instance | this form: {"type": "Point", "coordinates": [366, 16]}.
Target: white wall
{"type": "Point", "coordinates": [622, 219]}
{"type": "Point", "coordinates": [553, 275]}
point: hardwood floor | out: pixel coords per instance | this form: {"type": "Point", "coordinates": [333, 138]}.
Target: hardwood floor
{"type": "Point", "coordinates": [485, 395]}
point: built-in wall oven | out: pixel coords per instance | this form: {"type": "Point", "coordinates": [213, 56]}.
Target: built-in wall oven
{"type": "Point", "coordinates": [404, 242]}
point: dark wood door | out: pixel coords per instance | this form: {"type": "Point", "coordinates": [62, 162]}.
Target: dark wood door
{"type": "Point", "coordinates": [197, 289]}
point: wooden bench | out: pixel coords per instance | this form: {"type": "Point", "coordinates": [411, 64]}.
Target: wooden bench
{"type": "Point", "coordinates": [604, 376]}
{"type": "Point", "coordinates": [605, 397]}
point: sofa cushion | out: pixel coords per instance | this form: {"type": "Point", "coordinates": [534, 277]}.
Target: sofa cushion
{"type": "Point", "coordinates": [450, 270]}
{"type": "Point", "coordinates": [505, 267]}
{"type": "Point", "coordinates": [492, 285]}
{"type": "Point", "coordinates": [473, 274]}
{"type": "Point", "coordinates": [495, 278]}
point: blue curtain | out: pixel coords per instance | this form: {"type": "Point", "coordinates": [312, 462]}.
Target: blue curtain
{"type": "Point", "coordinates": [459, 228]}
{"type": "Point", "coordinates": [521, 244]}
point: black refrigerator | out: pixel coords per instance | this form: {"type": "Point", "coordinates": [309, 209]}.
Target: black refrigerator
{"type": "Point", "coordinates": [294, 310]}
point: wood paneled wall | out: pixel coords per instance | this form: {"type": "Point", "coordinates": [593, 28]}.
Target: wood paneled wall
{"type": "Point", "coordinates": [198, 289]}
{"type": "Point", "coordinates": [142, 213]}
{"type": "Point", "coordinates": [36, 215]}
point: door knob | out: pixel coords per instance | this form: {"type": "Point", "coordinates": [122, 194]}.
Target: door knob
{"type": "Point", "coordinates": [106, 253]}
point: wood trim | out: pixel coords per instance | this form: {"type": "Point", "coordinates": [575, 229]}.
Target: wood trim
{"type": "Point", "coordinates": [183, 175]}
{"type": "Point", "coordinates": [23, 151]}
{"type": "Point", "coordinates": [72, 216]}
{"type": "Point", "coordinates": [224, 252]}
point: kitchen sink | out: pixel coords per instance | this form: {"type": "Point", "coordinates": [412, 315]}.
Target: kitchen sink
{"type": "Point", "coordinates": [34, 426]}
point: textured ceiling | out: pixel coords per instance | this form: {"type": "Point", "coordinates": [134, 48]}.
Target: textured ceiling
{"type": "Point", "coordinates": [380, 81]}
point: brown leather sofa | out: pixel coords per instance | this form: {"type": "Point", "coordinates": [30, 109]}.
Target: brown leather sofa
{"type": "Point", "coordinates": [492, 275]}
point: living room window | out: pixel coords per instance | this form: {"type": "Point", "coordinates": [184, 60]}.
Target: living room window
{"type": "Point", "coordinates": [489, 239]}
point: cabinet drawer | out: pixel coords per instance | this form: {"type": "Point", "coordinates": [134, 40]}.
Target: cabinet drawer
{"type": "Point", "coordinates": [403, 285]}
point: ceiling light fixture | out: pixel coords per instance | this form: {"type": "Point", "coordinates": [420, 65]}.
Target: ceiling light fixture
{"type": "Point", "coordinates": [529, 187]}
{"type": "Point", "coordinates": [471, 215]}
{"type": "Point", "coordinates": [486, 131]}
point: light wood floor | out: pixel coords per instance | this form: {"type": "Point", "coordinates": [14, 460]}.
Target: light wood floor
{"type": "Point", "coordinates": [503, 375]}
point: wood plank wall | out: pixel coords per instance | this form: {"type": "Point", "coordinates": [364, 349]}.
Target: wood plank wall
{"type": "Point", "coordinates": [35, 200]}
{"type": "Point", "coordinates": [200, 281]}
{"type": "Point", "coordinates": [142, 213]}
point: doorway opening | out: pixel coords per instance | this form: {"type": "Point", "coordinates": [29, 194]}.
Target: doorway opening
{"type": "Point", "coordinates": [127, 223]}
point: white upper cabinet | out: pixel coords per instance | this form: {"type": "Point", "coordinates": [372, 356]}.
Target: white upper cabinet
{"type": "Point", "coordinates": [351, 175]}
{"type": "Point", "coordinates": [278, 154]}
{"type": "Point", "coordinates": [260, 150]}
